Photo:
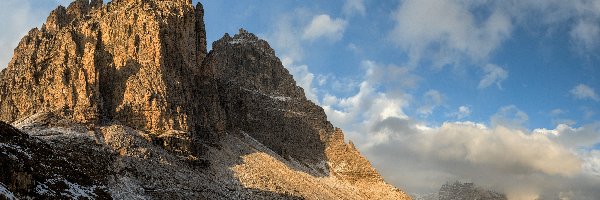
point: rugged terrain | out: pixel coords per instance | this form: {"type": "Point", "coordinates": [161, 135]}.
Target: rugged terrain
{"type": "Point", "coordinates": [123, 101]}
{"type": "Point", "coordinates": [459, 190]}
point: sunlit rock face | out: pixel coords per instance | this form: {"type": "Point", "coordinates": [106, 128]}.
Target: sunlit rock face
{"type": "Point", "coordinates": [138, 62]}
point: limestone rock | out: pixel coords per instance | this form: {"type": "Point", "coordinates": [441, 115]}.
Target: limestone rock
{"type": "Point", "coordinates": [137, 62]}
{"type": "Point", "coordinates": [132, 84]}
{"type": "Point", "coordinates": [261, 98]}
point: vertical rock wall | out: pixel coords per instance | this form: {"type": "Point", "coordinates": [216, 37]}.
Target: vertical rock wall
{"type": "Point", "coordinates": [135, 61]}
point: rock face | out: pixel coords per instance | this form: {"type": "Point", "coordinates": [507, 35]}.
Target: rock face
{"type": "Point", "coordinates": [137, 62]}
{"type": "Point", "coordinates": [261, 98]}
{"type": "Point", "coordinates": [458, 190]}
{"type": "Point", "coordinates": [132, 84]}
{"type": "Point", "coordinates": [33, 168]}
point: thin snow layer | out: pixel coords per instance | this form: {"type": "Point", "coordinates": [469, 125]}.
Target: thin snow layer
{"type": "Point", "coordinates": [280, 98]}
{"type": "Point", "coordinates": [73, 190]}
{"type": "Point", "coordinates": [274, 97]}
{"type": "Point", "coordinates": [16, 148]}
{"type": "Point", "coordinates": [77, 191]}
{"type": "Point", "coordinates": [4, 192]}
{"type": "Point", "coordinates": [241, 41]}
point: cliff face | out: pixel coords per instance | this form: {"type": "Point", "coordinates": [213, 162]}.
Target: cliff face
{"type": "Point", "coordinates": [137, 62]}
{"type": "Point", "coordinates": [261, 98]}
{"type": "Point", "coordinates": [133, 79]}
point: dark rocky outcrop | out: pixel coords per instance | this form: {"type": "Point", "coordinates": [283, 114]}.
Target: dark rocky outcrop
{"type": "Point", "coordinates": [261, 98]}
{"type": "Point", "coordinates": [458, 190]}
{"type": "Point", "coordinates": [34, 168]}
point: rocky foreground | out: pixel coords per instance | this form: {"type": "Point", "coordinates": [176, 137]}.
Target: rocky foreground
{"type": "Point", "coordinates": [123, 101]}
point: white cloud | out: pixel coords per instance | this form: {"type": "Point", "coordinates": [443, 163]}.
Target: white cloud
{"type": "Point", "coordinates": [285, 38]}
{"type": "Point", "coordinates": [586, 34]}
{"type": "Point", "coordinates": [582, 91]}
{"type": "Point", "coordinates": [431, 100]}
{"type": "Point", "coordinates": [580, 16]}
{"type": "Point", "coordinates": [447, 31]}
{"type": "Point", "coordinates": [354, 7]}
{"type": "Point", "coordinates": [502, 148]}
{"type": "Point", "coordinates": [399, 78]}
{"type": "Point", "coordinates": [504, 157]}
{"type": "Point", "coordinates": [585, 136]}
{"type": "Point", "coordinates": [360, 111]}
{"type": "Point", "coordinates": [509, 160]}
{"type": "Point", "coordinates": [509, 116]}
{"type": "Point", "coordinates": [493, 75]}
{"type": "Point", "coordinates": [592, 162]}
{"type": "Point", "coordinates": [322, 26]}
{"type": "Point", "coordinates": [303, 77]}
{"type": "Point", "coordinates": [461, 113]}
{"type": "Point", "coordinates": [557, 112]}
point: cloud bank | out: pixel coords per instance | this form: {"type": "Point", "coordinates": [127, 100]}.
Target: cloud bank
{"type": "Point", "coordinates": [524, 164]}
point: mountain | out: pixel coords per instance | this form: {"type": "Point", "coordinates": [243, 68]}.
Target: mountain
{"type": "Point", "coordinates": [458, 190]}
{"type": "Point", "coordinates": [123, 101]}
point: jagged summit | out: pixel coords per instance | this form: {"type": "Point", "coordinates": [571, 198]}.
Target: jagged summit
{"type": "Point", "coordinates": [137, 62]}
{"type": "Point", "coordinates": [132, 82]}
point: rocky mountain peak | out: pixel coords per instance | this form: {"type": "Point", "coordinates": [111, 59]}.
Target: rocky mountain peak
{"type": "Point", "coordinates": [132, 82]}
{"type": "Point", "coordinates": [62, 16]}
{"type": "Point", "coordinates": [251, 63]}
{"type": "Point", "coordinates": [137, 62]}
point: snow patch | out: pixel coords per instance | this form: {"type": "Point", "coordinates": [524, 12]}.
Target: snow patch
{"type": "Point", "coordinates": [241, 41]}
{"type": "Point", "coordinates": [280, 98]}
{"type": "Point", "coordinates": [74, 190]}
{"type": "Point", "coordinates": [77, 191]}
{"type": "Point", "coordinates": [42, 189]}
{"type": "Point", "coordinates": [15, 147]}
{"type": "Point", "coordinates": [6, 193]}
{"type": "Point", "coordinates": [236, 41]}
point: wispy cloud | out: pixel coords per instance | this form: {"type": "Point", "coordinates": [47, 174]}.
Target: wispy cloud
{"type": "Point", "coordinates": [493, 75]}
{"type": "Point", "coordinates": [461, 113]}
{"type": "Point", "coordinates": [586, 34]}
{"type": "Point", "coordinates": [431, 100]}
{"type": "Point", "coordinates": [583, 91]}
{"type": "Point", "coordinates": [509, 116]}
{"type": "Point", "coordinates": [354, 7]}
{"type": "Point", "coordinates": [448, 31]}
{"type": "Point", "coordinates": [323, 26]}
{"type": "Point", "coordinates": [519, 163]}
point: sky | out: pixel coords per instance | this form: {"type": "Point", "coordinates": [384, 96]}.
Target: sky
{"type": "Point", "coordinates": [505, 94]}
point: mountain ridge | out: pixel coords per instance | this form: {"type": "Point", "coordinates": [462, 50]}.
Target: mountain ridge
{"type": "Point", "coordinates": [134, 79]}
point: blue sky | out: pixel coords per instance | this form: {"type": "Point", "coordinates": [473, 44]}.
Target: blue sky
{"type": "Point", "coordinates": [542, 62]}
{"type": "Point", "coordinates": [433, 90]}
